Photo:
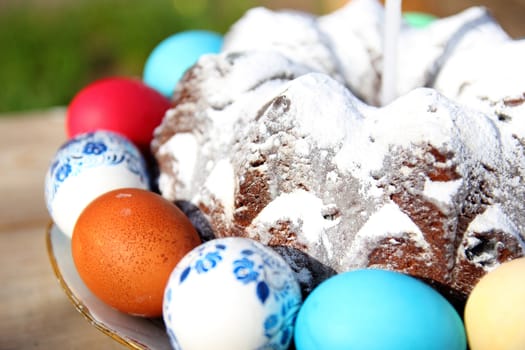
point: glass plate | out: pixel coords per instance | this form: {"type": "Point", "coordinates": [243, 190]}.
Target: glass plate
{"type": "Point", "coordinates": [133, 332]}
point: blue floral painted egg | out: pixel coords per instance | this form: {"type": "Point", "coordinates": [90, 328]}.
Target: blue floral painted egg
{"type": "Point", "coordinates": [87, 166]}
{"type": "Point", "coordinates": [231, 293]}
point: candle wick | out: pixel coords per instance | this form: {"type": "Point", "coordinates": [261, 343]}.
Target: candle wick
{"type": "Point", "coordinates": [391, 29]}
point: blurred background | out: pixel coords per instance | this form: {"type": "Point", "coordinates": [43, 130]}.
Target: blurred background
{"type": "Point", "coordinates": [50, 49]}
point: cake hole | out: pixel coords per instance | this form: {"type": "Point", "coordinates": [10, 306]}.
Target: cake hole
{"type": "Point", "coordinates": [258, 162]}
{"type": "Point", "coordinates": [233, 56]}
{"type": "Point", "coordinates": [484, 251]}
{"type": "Point", "coordinates": [514, 102]}
{"type": "Point", "coordinates": [432, 109]}
{"type": "Point", "coordinates": [281, 103]}
{"type": "Point", "coordinates": [331, 213]}
{"type": "Point", "coordinates": [488, 168]}
{"type": "Point", "coordinates": [502, 117]}
{"type": "Point", "coordinates": [222, 106]}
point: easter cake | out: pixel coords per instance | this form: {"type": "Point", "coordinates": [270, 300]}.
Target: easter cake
{"type": "Point", "coordinates": [279, 138]}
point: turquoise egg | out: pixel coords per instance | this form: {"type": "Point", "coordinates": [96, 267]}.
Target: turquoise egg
{"type": "Point", "coordinates": [170, 59]}
{"type": "Point", "coordinates": [373, 309]}
{"type": "Point", "coordinates": [419, 19]}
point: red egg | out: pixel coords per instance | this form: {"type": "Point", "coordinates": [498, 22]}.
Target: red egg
{"type": "Point", "coordinates": [123, 105]}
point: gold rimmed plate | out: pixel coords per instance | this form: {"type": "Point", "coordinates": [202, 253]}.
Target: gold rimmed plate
{"type": "Point", "coordinates": [134, 332]}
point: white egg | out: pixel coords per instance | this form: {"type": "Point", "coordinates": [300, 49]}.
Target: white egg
{"type": "Point", "coordinates": [87, 166]}
{"type": "Point", "coordinates": [231, 293]}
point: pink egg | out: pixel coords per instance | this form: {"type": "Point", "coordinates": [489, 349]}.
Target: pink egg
{"type": "Point", "coordinates": [123, 105]}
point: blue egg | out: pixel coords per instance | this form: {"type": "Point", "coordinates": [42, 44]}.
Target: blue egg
{"type": "Point", "coordinates": [419, 19]}
{"type": "Point", "coordinates": [170, 59]}
{"type": "Point", "coordinates": [373, 309]}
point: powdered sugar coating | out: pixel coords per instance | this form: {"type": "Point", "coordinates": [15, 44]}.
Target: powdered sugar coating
{"type": "Point", "coordinates": [347, 44]}
{"type": "Point", "coordinates": [281, 151]}
{"type": "Point", "coordinates": [293, 34]}
{"type": "Point", "coordinates": [321, 172]}
{"type": "Point", "coordinates": [500, 91]}
{"type": "Point", "coordinates": [208, 115]}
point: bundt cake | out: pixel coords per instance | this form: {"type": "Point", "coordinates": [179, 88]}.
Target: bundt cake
{"type": "Point", "coordinates": [280, 138]}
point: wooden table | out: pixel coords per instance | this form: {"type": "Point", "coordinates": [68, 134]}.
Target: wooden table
{"type": "Point", "coordinates": [35, 313]}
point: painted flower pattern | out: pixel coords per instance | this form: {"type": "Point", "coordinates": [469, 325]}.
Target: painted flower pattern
{"type": "Point", "coordinates": [261, 270]}
{"type": "Point", "coordinates": [95, 148]}
{"type": "Point", "coordinates": [63, 172]}
{"type": "Point", "coordinates": [244, 270]}
{"type": "Point", "coordinates": [279, 326]}
{"type": "Point", "coordinates": [208, 262]}
{"type": "Point", "coordinates": [91, 150]}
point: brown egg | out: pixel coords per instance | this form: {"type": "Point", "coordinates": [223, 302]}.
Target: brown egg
{"type": "Point", "coordinates": [125, 245]}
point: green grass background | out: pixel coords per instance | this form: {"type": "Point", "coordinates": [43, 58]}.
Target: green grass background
{"type": "Point", "coordinates": [49, 52]}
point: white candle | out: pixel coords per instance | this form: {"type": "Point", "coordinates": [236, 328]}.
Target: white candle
{"type": "Point", "coordinates": [390, 50]}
